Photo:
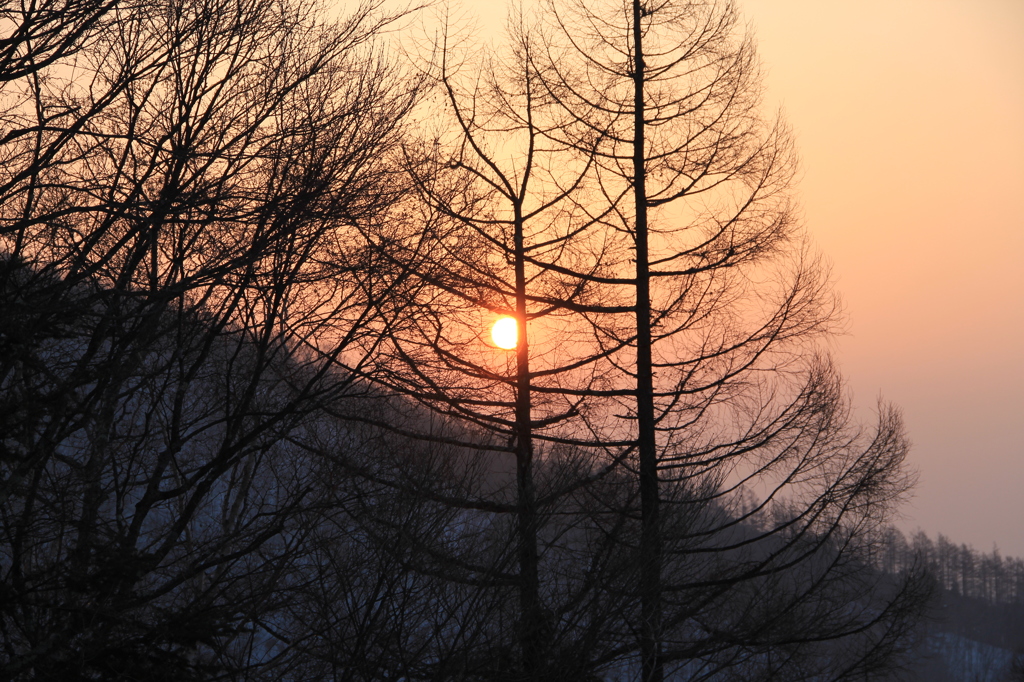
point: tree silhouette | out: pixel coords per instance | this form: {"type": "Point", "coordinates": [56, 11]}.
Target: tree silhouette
{"type": "Point", "coordinates": [180, 275]}
{"type": "Point", "coordinates": [728, 399]}
{"type": "Point", "coordinates": [492, 232]}
{"type": "Point", "coordinates": [250, 423]}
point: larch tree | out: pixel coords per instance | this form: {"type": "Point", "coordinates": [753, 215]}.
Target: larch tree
{"type": "Point", "coordinates": [758, 496]}
{"type": "Point", "coordinates": [495, 230]}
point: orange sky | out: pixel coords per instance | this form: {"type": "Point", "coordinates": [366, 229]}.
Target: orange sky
{"type": "Point", "coordinates": [909, 117]}
{"type": "Point", "coordinates": [909, 120]}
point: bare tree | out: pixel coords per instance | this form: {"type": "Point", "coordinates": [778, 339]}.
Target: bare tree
{"type": "Point", "coordinates": [728, 398]}
{"type": "Point", "coordinates": [217, 289]}
{"type": "Point", "coordinates": [181, 280]}
{"type": "Point", "coordinates": [491, 233]}
{"type": "Point", "coordinates": [39, 34]}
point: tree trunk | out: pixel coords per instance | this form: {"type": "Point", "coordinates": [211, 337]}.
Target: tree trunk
{"type": "Point", "coordinates": [530, 612]}
{"type": "Point", "coordinates": [650, 537]}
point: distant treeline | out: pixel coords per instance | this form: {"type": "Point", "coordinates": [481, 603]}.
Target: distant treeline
{"type": "Point", "coordinates": [959, 569]}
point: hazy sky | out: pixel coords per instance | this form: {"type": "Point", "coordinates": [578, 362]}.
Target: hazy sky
{"type": "Point", "coordinates": [909, 120]}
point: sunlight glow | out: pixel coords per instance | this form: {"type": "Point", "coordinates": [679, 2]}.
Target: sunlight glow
{"type": "Point", "coordinates": [505, 333]}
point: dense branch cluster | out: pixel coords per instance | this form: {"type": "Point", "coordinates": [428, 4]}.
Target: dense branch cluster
{"type": "Point", "coordinates": [252, 427]}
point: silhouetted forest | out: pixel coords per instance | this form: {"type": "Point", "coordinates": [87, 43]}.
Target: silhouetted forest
{"type": "Point", "coordinates": [957, 569]}
{"type": "Point", "coordinates": [974, 629]}
{"type": "Point", "coordinates": [251, 424]}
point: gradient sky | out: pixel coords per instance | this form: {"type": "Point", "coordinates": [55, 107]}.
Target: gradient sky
{"type": "Point", "coordinates": [909, 120]}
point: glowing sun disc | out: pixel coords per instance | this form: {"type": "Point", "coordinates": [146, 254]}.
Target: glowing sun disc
{"type": "Point", "coordinates": [505, 333]}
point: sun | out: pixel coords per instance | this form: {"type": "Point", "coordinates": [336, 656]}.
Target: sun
{"type": "Point", "coordinates": [505, 333]}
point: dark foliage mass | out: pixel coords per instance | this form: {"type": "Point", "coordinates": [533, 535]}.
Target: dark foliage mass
{"type": "Point", "coordinates": [251, 429]}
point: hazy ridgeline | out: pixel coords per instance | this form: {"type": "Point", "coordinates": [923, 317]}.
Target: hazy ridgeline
{"type": "Point", "coordinates": [974, 628]}
{"type": "Point", "coordinates": [958, 569]}
{"type": "Point", "coordinates": [250, 423]}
